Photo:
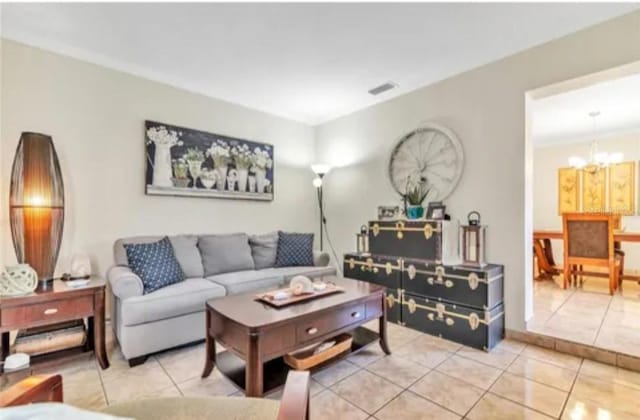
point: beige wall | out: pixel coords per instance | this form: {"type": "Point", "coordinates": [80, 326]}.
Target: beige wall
{"type": "Point", "coordinates": [547, 160]}
{"type": "Point", "coordinates": [486, 108]}
{"type": "Point", "coordinates": [96, 117]}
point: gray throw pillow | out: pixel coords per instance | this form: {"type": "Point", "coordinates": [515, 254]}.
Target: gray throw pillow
{"type": "Point", "coordinates": [225, 253]}
{"type": "Point", "coordinates": [186, 250]}
{"type": "Point", "coordinates": [264, 249]}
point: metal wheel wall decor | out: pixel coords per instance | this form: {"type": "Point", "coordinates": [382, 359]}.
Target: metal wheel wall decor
{"type": "Point", "coordinates": [432, 152]}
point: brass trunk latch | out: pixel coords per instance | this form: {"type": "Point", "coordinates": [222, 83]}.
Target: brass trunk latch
{"type": "Point", "coordinates": [428, 231]}
{"type": "Point", "coordinates": [412, 306]}
{"type": "Point", "coordinates": [474, 321]}
{"type": "Point", "coordinates": [390, 300]}
{"type": "Point", "coordinates": [400, 228]}
{"type": "Point", "coordinates": [473, 281]}
{"type": "Point", "coordinates": [388, 268]}
{"type": "Point", "coordinates": [411, 271]}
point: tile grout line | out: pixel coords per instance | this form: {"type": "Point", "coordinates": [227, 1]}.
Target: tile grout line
{"type": "Point", "coordinates": [486, 391]}
{"type": "Point", "coordinates": [104, 391]}
{"type": "Point", "coordinates": [602, 323]}
{"type": "Point", "coordinates": [170, 377]}
{"type": "Point", "coordinates": [573, 384]}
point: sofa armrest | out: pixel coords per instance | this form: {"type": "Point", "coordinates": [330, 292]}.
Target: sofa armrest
{"type": "Point", "coordinates": [321, 259]}
{"type": "Point", "coordinates": [124, 283]}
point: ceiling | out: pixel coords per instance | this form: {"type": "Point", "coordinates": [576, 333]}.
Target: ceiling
{"type": "Point", "coordinates": [308, 62]}
{"type": "Point", "coordinates": [564, 118]}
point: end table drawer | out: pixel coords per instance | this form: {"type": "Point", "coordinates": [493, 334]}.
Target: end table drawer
{"type": "Point", "coordinates": [57, 310]}
{"type": "Point", "coordinates": [342, 317]}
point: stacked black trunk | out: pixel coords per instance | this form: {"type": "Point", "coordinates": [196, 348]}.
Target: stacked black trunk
{"type": "Point", "coordinates": [459, 303]}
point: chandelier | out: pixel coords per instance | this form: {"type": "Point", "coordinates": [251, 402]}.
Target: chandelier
{"type": "Point", "coordinates": [597, 159]}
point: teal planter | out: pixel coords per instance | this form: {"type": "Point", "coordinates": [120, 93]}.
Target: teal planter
{"type": "Point", "coordinates": [415, 212]}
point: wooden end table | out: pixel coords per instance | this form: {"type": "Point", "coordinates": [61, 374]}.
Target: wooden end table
{"type": "Point", "coordinates": [256, 335]}
{"type": "Point", "coordinates": [58, 303]}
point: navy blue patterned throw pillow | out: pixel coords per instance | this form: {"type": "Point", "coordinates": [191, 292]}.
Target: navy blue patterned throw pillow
{"type": "Point", "coordinates": [294, 249]}
{"type": "Point", "coordinates": [155, 263]}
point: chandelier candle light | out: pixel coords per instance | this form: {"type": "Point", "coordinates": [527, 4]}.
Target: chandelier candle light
{"type": "Point", "coordinates": [36, 204]}
{"type": "Point", "coordinates": [597, 159]}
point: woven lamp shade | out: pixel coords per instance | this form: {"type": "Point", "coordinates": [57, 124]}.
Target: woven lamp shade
{"type": "Point", "coordinates": [36, 204]}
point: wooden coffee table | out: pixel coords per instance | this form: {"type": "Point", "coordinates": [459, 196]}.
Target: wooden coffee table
{"type": "Point", "coordinates": [256, 335]}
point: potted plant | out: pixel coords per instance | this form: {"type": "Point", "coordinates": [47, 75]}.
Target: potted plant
{"type": "Point", "coordinates": [208, 178]}
{"type": "Point", "coordinates": [415, 194]}
{"type": "Point", "coordinates": [221, 156]}
{"type": "Point", "coordinates": [261, 161]}
{"type": "Point", "coordinates": [180, 173]}
{"type": "Point", "coordinates": [241, 155]}
{"type": "Point", "coordinates": [164, 140]}
{"type": "Point", "coordinates": [194, 159]}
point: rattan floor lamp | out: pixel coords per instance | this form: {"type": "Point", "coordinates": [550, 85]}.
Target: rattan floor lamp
{"type": "Point", "coordinates": [36, 204]}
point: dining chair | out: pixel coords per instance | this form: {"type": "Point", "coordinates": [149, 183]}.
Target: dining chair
{"type": "Point", "coordinates": [588, 241]}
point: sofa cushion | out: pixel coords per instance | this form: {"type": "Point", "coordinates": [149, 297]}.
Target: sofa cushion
{"type": "Point", "coordinates": [247, 281]}
{"type": "Point", "coordinates": [155, 263]}
{"type": "Point", "coordinates": [294, 249]}
{"type": "Point", "coordinates": [185, 248]}
{"type": "Point", "coordinates": [225, 253]}
{"type": "Point", "coordinates": [264, 249]}
{"type": "Point", "coordinates": [188, 255]}
{"type": "Point", "coordinates": [182, 298]}
{"type": "Point", "coordinates": [287, 273]}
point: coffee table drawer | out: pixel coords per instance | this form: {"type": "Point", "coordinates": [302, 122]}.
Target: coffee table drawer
{"type": "Point", "coordinates": [57, 310]}
{"type": "Point", "coordinates": [323, 324]}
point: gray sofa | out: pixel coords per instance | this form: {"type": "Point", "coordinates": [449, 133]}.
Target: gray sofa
{"type": "Point", "coordinates": [174, 315]}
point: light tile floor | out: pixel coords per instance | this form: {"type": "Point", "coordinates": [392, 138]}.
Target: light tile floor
{"type": "Point", "coordinates": [588, 314]}
{"type": "Point", "coordinates": [425, 378]}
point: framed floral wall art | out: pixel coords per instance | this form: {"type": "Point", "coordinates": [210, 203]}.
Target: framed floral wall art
{"type": "Point", "coordinates": [567, 190]}
{"type": "Point", "coordinates": [622, 177]}
{"type": "Point", "coordinates": [185, 162]}
{"type": "Point", "coordinates": [593, 189]}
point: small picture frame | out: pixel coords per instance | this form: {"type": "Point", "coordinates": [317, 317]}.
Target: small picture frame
{"type": "Point", "coordinates": [388, 212]}
{"type": "Point", "coordinates": [436, 210]}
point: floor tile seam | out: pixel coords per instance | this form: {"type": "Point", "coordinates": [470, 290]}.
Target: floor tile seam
{"type": "Point", "coordinates": [171, 378]}
{"type": "Point", "coordinates": [552, 363]}
{"type": "Point", "coordinates": [434, 402]}
{"type": "Point", "coordinates": [359, 368]}
{"type": "Point", "coordinates": [526, 406]}
{"type": "Point", "coordinates": [396, 384]}
{"type": "Point", "coordinates": [484, 363]}
{"type": "Point", "coordinates": [104, 391]}
{"type": "Point", "coordinates": [542, 383]}
{"type": "Point", "coordinates": [360, 408]}
{"type": "Point", "coordinates": [573, 384]}
{"type": "Point", "coordinates": [602, 322]}
{"type": "Point", "coordinates": [484, 393]}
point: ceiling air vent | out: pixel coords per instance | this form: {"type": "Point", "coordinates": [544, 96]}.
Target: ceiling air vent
{"type": "Point", "coordinates": [383, 88]}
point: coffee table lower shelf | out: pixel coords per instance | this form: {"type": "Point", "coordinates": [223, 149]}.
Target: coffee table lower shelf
{"type": "Point", "coordinates": [275, 371]}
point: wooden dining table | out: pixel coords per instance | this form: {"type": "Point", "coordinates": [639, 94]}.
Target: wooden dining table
{"type": "Point", "coordinates": [543, 251]}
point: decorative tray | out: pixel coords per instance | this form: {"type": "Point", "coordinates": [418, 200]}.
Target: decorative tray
{"type": "Point", "coordinates": [268, 297]}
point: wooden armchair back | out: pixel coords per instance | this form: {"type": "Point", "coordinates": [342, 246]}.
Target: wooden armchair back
{"type": "Point", "coordinates": [588, 238]}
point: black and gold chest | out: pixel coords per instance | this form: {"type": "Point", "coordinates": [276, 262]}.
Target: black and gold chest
{"type": "Point", "coordinates": [431, 240]}
{"type": "Point", "coordinates": [427, 289]}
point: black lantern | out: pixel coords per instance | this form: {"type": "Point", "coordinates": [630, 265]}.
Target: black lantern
{"type": "Point", "coordinates": [472, 241]}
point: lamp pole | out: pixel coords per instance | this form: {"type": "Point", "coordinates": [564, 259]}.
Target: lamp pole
{"type": "Point", "coordinates": [320, 170]}
{"type": "Point", "coordinates": [320, 204]}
